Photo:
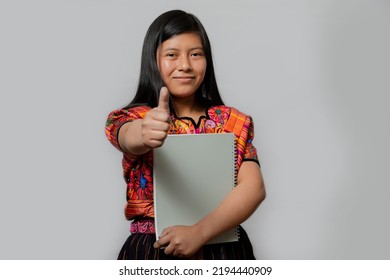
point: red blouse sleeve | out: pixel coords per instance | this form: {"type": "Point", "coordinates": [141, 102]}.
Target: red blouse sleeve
{"type": "Point", "coordinates": [234, 121]}
{"type": "Point", "coordinates": [117, 118]}
{"type": "Point", "coordinates": [250, 152]}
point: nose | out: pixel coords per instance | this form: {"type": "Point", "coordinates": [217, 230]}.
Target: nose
{"type": "Point", "coordinates": [184, 63]}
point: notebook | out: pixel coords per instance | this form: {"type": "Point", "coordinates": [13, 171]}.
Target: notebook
{"type": "Point", "coordinates": [192, 174]}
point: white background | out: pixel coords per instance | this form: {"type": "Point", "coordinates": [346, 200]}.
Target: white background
{"type": "Point", "coordinates": [314, 75]}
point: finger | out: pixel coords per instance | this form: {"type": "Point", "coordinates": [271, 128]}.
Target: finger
{"type": "Point", "coordinates": [157, 125]}
{"type": "Point", "coordinates": [165, 231]}
{"type": "Point", "coordinates": [157, 245]}
{"type": "Point", "coordinates": [163, 102]}
{"type": "Point", "coordinates": [164, 239]}
{"type": "Point", "coordinates": [161, 242]}
{"type": "Point", "coordinates": [152, 144]}
{"type": "Point", "coordinates": [158, 135]}
{"type": "Point", "coordinates": [177, 254]}
{"type": "Point", "coordinates": [161, 115]}
{"type": "Point", "coordinates": [169, 250]}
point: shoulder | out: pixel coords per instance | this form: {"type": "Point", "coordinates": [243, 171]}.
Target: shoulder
{"type": "Point", "coordinates": [132, 113]}
{"type": "Point", "coordinates": [223, 113]}
{"type": "Point", "coordinates": [232, 119]}
{"type": "Point", "coordinates": [137, 110]}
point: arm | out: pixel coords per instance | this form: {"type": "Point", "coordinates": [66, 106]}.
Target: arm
{"type": "Point", "coordinates": [142, 135]}
{"type": "Point", "coordinates": [238, 206]}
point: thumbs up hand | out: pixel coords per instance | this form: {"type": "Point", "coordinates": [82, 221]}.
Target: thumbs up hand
{"type": "Point", "coordinates": [155, 125]}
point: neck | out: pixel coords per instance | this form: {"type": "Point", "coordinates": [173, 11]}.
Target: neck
{"type": "Point", "coordinates": [188, 107]}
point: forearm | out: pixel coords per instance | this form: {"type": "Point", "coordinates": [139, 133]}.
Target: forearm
{"type": "Point", "coordinates": [130, 138]}
{"type": "Point", "coordinates": [237, 207]}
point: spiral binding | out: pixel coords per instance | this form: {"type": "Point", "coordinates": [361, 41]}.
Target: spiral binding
{"type": "Point", "coordinates": [237, 230]}
{"type": "Point", "coordinates": [235, 161]}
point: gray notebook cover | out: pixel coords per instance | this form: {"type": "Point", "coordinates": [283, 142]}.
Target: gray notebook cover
{"type": "Point", "coordinates": [192, 174]}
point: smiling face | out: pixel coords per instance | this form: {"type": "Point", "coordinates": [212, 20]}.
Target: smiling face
{"type": "Point", "coordinates": [182, 64]}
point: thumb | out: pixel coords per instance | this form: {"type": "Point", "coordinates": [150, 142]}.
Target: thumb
{"type": "Point", "coordinates": [163, 101]}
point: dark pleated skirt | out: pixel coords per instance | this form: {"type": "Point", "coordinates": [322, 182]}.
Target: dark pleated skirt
{"type": "Point", "coordinates": [140, 247]}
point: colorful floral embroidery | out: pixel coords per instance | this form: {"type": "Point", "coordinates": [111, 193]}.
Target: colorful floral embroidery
{"type": "Point", "coordinates": [143, 226]}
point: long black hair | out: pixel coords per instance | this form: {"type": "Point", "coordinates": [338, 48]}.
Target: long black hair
{"type": "Point", "coordinates": [165, 26]}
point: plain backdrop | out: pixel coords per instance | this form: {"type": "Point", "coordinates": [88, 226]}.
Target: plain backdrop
{"type": "Point", "coordinates": [313, 74]}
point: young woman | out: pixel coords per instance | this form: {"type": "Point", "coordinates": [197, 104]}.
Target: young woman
{"type": "Point", "coordinates": [177, 94]}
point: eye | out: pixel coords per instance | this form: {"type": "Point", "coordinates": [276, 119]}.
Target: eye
{"type": "Point", "coordinates": [170, 54]}
{"type": "Point", "coordinates": [196, 54]}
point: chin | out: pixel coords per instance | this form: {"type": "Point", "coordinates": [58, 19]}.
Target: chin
{"type": "Point", "coordinates": [182, 94]}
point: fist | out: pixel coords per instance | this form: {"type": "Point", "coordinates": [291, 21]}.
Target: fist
{"type": "Point", "coordinates": [155, 125]}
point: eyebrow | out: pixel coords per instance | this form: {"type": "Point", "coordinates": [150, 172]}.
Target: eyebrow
{"type": "Point", "coordinates": [176, 49]}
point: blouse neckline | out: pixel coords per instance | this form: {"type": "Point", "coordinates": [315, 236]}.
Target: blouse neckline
{"type": "Point", "coordinates": [196, 124]}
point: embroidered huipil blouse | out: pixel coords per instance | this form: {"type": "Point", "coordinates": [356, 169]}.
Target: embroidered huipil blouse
{"type": "Point", "coordinates": [138, 170]}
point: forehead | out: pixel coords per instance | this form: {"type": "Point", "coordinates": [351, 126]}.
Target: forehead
{"type": "Point", "coordinates": [183, 41]}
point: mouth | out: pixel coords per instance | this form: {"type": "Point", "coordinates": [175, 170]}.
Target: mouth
{"type": "Point", "coordinates": [184, 78]}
